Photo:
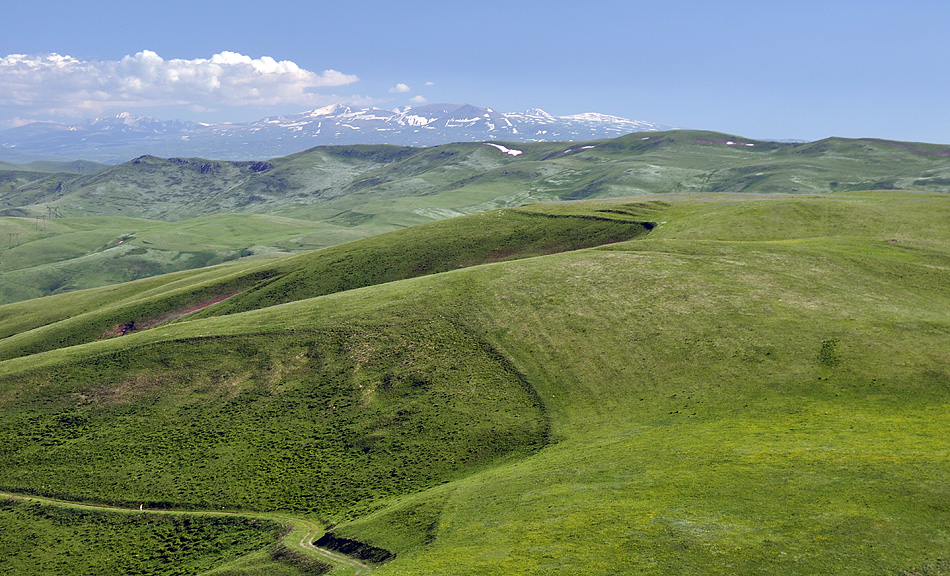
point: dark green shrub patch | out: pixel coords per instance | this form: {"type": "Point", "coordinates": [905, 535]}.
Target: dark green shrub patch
{"type": "Point", "coordinates": [326, 420]}
{"type": "Point", "coordinates": [63, 541]}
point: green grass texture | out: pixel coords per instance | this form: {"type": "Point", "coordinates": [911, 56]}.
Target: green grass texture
{"type": "Point", "coordinates": [47, 539]}
{"type": "Point", "coordinates": [756, 384]}
{"type": "Point", "coordinates": [72, 229]}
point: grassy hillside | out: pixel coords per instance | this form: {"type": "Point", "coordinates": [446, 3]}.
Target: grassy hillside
{"type": "Point", "coordinates": [760, 384]}
{"type": "Point", "coordinates": [55, 256]}
{"type": "Point", "coordinates": [69, 319]}
{"type": "Point", "coordinates": [68, 231]}
{"type": "Point", "coordinates": [59, 540]}
{"type": "Point", "coordinates": [351, 184]}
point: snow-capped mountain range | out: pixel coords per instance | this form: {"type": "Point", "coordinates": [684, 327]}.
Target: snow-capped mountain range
{"type": "Point", "coordinates": [125, 136]}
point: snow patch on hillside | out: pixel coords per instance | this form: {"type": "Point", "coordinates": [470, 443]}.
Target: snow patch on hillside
{"type": "Point", "coordinates": [505, 150]}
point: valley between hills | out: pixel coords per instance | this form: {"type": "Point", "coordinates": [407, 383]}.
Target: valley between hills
{"type": "Point", "coordinates": [680, 352]}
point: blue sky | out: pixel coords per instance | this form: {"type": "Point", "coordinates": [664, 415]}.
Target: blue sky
{"type": "Point", "coordinates": [806, 69]}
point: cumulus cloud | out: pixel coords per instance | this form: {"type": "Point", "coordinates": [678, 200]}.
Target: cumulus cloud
{"type": "Point", "coordinates": [418, 100]}
{"type": "Point", "coordinates": [400, 88]}
{"type": "Point", "coordinates": [58, 84]}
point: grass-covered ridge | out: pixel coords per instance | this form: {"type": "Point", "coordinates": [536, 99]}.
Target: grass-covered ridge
{"type": "Point", "coordinates": [66, 231]}
{"type": "Point", "coordinates": [35, 326]}
{"type": "Point", "coordinates": [393, 185]}
{"type": "Point", "coordinates": [760, 384]}
{"type": "Point", "coordinates": [328, 420]}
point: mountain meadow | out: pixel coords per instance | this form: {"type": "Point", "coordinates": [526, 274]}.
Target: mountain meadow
{"type": "Point", "coordinates": [674, 353]}
{"type": "Point", "coordinates": [71, 226]}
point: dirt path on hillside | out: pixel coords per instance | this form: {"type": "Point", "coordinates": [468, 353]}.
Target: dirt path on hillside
{"type": "Point", "coordinates": [310, 529]}
{"type": "Point", "coordinates": [307, 542]}
{"type": "Point", "coordinates": [145, 324]}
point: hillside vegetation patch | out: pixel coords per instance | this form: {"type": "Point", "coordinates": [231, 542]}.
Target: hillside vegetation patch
{"type": "Point", "coordinates": [759, 384]}
{"type": "Point", "coordinates": [59, 540]}
{"type": "Point", "coordinates": [325, 420]}
{"type": "Point", "coordinates": [182, 213]}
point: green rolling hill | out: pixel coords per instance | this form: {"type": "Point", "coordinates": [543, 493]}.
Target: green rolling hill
{"type": "Point", "coordinates": [709, 382]}
{"type": "Point", "coordinates": [65, 231]}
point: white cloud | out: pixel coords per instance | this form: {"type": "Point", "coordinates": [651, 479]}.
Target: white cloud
{"type": "Point", "coordinates": [400, 88]}
{"type": "Point", "coordinates": [64, 85]}
{"type": "Point", "coordinates": [418, 100]}
{"type": "Point", "coordinates": [430, 83]}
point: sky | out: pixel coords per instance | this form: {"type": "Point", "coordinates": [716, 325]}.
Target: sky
{"type": "Point", "coordinates": [760, 69]}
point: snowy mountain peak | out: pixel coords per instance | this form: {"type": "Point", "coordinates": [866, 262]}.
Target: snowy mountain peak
{"type": "Point", "coordinates": [328, 110]}
{"type": "Point", "coordinates": [126, 118]}
{"type": "Point", "coordinates": [538, 113]}
{"type": "Point", "coordinates": [595, 117]}
{"type": "Point", "coordinates": [126, 121]}
{"type": "Point", "coordinates": [118, 138]}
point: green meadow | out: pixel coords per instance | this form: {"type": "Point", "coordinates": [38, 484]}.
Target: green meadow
{"type": "Point", "coordinates": [688, 383]}
{"type": "Point", "coordinates": [65, 227]}
{"type": "Point", "coordinates": [44, 539]}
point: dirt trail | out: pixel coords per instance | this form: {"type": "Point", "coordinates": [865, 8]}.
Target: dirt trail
{"type": "Point", "coordinates": [307, 542]}
{"type": "Point", "coordinates": [310, 529]}
{"type": "Point", "coordinates": [145, 324]}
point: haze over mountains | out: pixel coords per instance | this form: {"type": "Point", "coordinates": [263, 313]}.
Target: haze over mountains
{"type": "Point", "coordinates": [125, 136]}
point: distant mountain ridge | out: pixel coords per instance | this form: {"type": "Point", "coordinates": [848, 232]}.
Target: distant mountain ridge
{"type": "Point", "coordinates": [63, 228]}
{"type": "Point", "coordinates": [125, 136]}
